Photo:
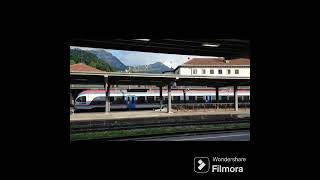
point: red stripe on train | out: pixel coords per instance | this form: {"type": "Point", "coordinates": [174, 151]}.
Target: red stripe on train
{"type": "Point", "coordinates": [205, 90]}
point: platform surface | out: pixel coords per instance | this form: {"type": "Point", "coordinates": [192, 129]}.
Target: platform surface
{"type": "Point", "coordinates": [140, 114]}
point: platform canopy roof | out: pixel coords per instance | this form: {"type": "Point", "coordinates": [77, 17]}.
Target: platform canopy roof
{"type": "Point", "coordinates": [116, 78]}
{"type": "Point", "coordinates": [219, 47]}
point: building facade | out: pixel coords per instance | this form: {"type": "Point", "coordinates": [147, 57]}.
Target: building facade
{"type": "Point", "coordinates": [215, 67]}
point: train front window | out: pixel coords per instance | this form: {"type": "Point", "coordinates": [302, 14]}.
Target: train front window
{"type": "Point", "coordinates": [81, 99]}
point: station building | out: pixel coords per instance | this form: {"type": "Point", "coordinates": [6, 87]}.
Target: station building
{"type": "Point", "coordinates": [215, 67]}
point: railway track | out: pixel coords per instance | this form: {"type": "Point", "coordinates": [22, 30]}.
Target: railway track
{"type": "Point", "coordinates": [103, 126]}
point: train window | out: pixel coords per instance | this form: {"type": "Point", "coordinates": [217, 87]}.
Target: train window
{"type": "Point", "coordinates": [211, 71]}
{"type": "Point", "coordinates": [118, 100]}
{"type": "Point", "coordinates": [192, 98]}
{"type": "Point", "coordinates": [176, 98]}
{"type": "Point", "coordinates": [151, 98]}
{"type": "Point", "coordinates": [236, 71]}
{"type": "Point", "coordinates": [100, 100]}
{"type": "Point", "coordinates": [81, 99]}
{"type": "Point", "coordinates": [141, 99]}
{"type": "Point", "coordinates": [203, 71]}
{"type": "Point", "coordinates": [229, 71]}
{"type": "Point", "coordinates": [220, 71]}
{"type": "Point", "coordinates": [199, 98]}
{"type": "Point", "coordinates": [224, 98]}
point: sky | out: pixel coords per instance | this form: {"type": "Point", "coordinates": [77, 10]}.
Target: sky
{"type": "Point", "coordinates": [135, 58]}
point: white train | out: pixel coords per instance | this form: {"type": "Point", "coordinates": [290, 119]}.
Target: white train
{"type": "Point", "coordinates": [122, 99]}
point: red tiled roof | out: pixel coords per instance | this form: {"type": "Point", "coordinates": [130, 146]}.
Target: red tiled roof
{"type": "Point", "coordinates": [83, 68]}
{"type": "Point", "coordinates": [217, 61]}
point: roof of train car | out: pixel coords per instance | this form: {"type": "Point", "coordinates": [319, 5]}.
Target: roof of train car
{"type": "Point", "coordinates": [175, 90]}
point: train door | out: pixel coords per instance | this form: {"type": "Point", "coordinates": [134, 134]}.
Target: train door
{"type": "Point", "coordinates": [207, 99]}
{"type": "Point", "coordinates": [132, 102]}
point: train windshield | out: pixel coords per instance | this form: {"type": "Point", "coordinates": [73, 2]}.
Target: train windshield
{"type": "Point", "coordinates": [81, 99]}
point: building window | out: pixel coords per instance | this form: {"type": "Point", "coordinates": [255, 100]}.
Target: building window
{"type": "Point", "coordinates": [220, 71]}
{"type": "Point", "coordinates": [195, 71]}
{"type": "Point", "coordinates": [203, 71]}
{"type": "Point", "coordinates": [236, 71]}
{"type": "Point", "coordinates": [229, 71]}
{"type": "Point", "coordinates": [211, 71]}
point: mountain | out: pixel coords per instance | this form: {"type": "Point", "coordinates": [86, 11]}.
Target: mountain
{"type": "Point", "coordinates": [109, 58]}
{"type": "Point", "coordinates": [81, 56]}
{"type": "Point", "coordinates": [157, 67]}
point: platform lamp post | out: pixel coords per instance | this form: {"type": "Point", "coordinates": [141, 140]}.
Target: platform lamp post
{"type": "Point", "coordinates": [235, 94]}
{"type": "Point", "coordinates": [184, 96]}
{"type": "Point", "coordinates": [217, 97]}
{"type": "Point", "coordinates": [169, 95]}
{"type": "Point", "coordinates": [107, 89]}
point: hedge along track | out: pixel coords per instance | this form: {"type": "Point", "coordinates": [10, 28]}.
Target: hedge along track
{"type": "Point", "coordinates": [104, 125]}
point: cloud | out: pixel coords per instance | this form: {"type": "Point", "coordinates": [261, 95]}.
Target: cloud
{"type": "Point", "coordinates": [82, 48]}
{"type": "Point", "coordinates": [134, 58]}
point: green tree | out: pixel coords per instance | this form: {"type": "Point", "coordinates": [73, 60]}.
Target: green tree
{"type": "Point", "coordinates": [93, 64]}
{"type": "Point", "coordinates": [80, 56]}
{"type": "Point", "coordinates": [72, 62]}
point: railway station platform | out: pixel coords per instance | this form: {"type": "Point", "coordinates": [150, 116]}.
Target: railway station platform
{"type": "Point", "coordinates": [95, 116]}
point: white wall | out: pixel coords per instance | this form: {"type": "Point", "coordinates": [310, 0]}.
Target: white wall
{"type": "Point", "coordinates": [243, 72]}
{"type": "Point", "coordinates": [184, 71]}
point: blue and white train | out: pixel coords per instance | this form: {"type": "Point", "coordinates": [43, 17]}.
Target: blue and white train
{"type": "Point", "coordinates": [122, 99]}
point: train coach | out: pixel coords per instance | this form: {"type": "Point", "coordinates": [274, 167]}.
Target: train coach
{"type": "Point", "coordinates": [150, 99]}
